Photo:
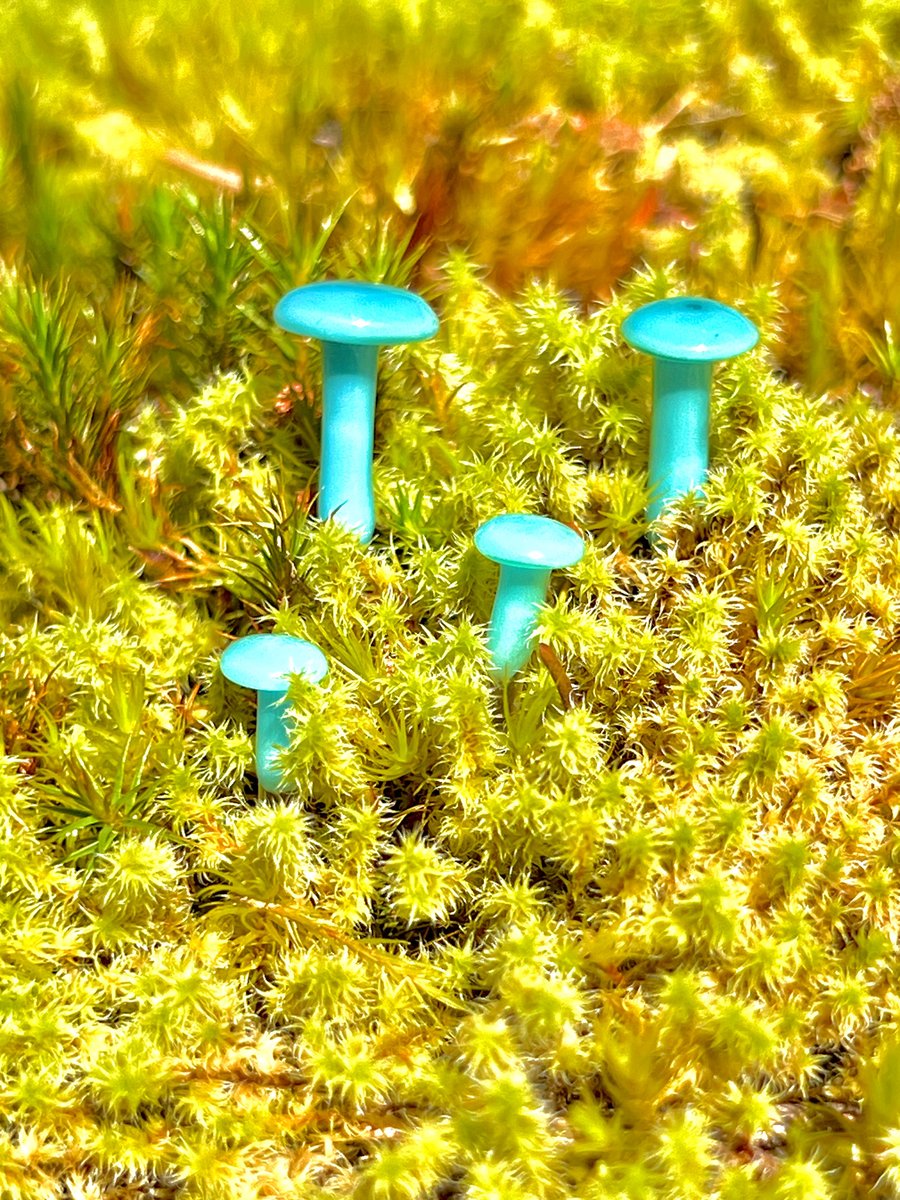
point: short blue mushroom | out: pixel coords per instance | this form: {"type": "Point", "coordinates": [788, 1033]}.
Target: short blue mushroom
{"type": "Point", "coordinates": [527, 549]}
{"type": "Point", "coordinates": [685, 335]}
{"type": "Point", "coordinates": [265, 661]}
{"type": "Point", "coordinates": [352, 320]}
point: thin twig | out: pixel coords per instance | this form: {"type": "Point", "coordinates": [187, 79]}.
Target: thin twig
{"type": "Point", "coordinates": [228, 180]}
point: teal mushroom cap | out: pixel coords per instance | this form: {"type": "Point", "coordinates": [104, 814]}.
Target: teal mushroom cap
{"type": "Point", "coordinates": [264, 661]}
{"type": "Point", "coordinates": [525, 540]}
{"type": "Point", "coordinates": [689, 329]}
{"type": "Point", "coordinates": [355, 313]}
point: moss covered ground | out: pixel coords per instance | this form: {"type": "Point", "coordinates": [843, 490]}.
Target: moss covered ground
{"type": "Point", "coordinates": [625, 930]}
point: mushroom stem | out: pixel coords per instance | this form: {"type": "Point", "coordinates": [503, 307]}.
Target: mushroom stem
{"type": "Point", "coordinates": [679, 430]}
{"type": "Point", "coordinates": [520, 594]}
{"type": "Point", "coordinates": [272, 736]}
{"type": "Point", "coordinates": [348, 432]}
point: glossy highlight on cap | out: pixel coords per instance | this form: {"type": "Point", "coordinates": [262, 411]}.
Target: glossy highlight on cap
{"type": "Point", "coordinates": [525, 540]}
{"type": "Point", "coordinates": [355, 313]}
{"type": "Point", "coordinates": [690, 329]}
{"type": "Point", "coordinates": [265, 661]}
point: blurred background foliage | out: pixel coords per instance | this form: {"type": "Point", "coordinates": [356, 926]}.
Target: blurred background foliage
{"type": "Point", "coordinates": [741, 140]}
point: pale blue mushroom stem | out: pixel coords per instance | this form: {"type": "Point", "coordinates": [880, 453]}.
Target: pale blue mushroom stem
{"type": "Point", "coordinates": [348, 434]}
{"type": "Point", "coordinates": [272, 736]}
{"type": "Point", "coordinates": [679, 430]}
{"type": "Point", "coordinates": [521, 592]}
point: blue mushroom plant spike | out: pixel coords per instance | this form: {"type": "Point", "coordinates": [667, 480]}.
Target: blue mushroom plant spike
{"type": "Point", "coordinates": [527, 548]}
{"type": "Point", "coordinates": [685, 335]}
{"type": "Point", "coordinates": [352, 320]}
{"type": "Point", "coordinates": [265, 662]}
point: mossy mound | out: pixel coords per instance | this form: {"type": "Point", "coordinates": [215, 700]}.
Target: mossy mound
{"type": "Point", "coordinates": [627, 931]}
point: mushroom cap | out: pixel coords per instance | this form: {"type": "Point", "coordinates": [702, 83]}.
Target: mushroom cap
{"type": "Point", "coordinates": [523, 540]}
{"type": "Point", "coordinates": [690, 329]}
{"type": "Point", "coordinates": [361, 314]}
{"type": "Point", "coordinates": [265, 660]}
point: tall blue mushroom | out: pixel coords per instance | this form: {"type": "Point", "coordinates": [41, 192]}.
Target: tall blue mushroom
{"type": "Point", "coordinates": [352, 320]}
{"type": "Point", "coordinates": [527, 549]}
{"type": "Point", "coordinates": [685, 335]}
{"type": "Point", "coordinates": [265, 662]}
